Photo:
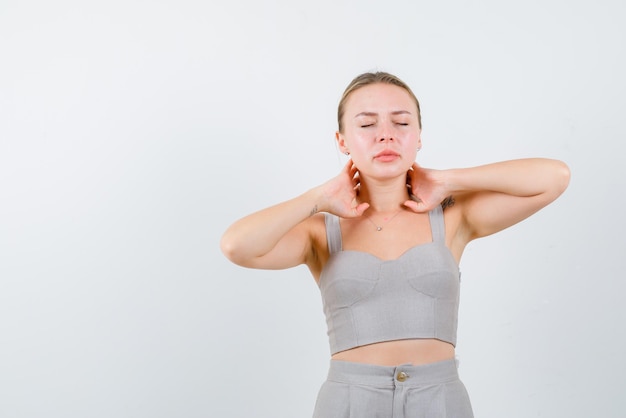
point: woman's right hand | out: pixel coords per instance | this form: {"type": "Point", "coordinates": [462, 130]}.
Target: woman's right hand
{"type": "Point", "coordinates": [278, 237]}
{"type": "Point", "coordinates": [341, 193]}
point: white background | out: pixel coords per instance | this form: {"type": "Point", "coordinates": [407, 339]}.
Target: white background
{"type": "Point", "coordinates": [132, 133]}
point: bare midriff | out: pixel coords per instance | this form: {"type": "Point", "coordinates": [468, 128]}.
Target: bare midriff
{"type": "Point", "coordinates": [394, 353]}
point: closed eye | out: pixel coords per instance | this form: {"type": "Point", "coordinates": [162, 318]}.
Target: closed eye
{"type": "Point", "coordinates": [367, 126]}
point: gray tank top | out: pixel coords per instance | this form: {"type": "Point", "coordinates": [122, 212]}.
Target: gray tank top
{"type": "Point", "coordinates": [368, 300]}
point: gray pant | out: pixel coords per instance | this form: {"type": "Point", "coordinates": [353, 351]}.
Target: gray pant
{"type": "Point", "coordinates": [355, 390]}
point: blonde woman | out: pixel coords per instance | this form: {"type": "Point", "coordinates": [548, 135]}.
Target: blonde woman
{"type": "Point", "coordinates": [383, 240]}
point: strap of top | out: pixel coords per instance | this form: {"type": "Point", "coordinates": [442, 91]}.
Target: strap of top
{"type": "Point", "coordinates": [333, 233]}
{"type": "Point", "coordinates": [437, 226]}
{"type": "Point", "coordinates": [333, 230]}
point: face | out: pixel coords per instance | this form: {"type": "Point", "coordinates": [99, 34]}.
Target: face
{"type": "Point", "coordinates": [381, 130]}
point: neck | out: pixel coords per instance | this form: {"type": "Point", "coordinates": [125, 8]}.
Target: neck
{"type": "Point", "coordinates": [384, 197]}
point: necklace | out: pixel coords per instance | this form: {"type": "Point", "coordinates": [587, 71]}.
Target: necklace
{"type": "Point", "coordinates": [379, 227]}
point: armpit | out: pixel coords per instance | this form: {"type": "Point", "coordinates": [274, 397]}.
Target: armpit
{"type": "Point", "coordinates": [447, 202]}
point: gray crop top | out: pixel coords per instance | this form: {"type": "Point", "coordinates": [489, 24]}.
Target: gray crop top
{"type": "Point", "coordinates": [368, 300]}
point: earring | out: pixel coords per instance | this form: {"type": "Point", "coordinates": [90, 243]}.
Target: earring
{"type": "Point", "coordinates": [347, 153]}
{"type": "Point", "coordinates": [418, 149]}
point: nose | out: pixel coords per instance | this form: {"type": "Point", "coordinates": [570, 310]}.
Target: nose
{"type": "Point", "coordinates": [386, 132]}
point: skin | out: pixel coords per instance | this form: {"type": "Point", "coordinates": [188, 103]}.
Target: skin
{"type": "Point", "coordinates": [382, 135]}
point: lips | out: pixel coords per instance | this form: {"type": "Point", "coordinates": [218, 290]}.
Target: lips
{"type": "Point", "coordinates": [386, 155]}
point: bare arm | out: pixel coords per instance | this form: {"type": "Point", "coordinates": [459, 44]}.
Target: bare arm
{"type": "Point", "coordinates": [494, 196]}
{"type": "Point", "coordinates": [281, 236]}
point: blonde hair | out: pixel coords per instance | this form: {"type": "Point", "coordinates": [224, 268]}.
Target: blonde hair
{"type": "Point", "coordinates": [366, 79]}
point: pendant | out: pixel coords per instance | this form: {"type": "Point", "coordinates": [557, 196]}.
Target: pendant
{"type": "Point", "coordinates": [379, 228]}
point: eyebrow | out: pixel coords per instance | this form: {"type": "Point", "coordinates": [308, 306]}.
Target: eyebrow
{"type": "Point", "coordinates": [395, 112]}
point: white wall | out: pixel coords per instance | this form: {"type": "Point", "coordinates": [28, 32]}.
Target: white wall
{"type": "Point", "coordinates": [133, 133]}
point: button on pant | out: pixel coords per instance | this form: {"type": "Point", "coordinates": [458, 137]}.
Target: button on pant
{"type": "Point", "coordinates": [355, 390]}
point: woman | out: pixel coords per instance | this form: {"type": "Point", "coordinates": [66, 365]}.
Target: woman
{"type": "Point", "coordinates": [383, 240]}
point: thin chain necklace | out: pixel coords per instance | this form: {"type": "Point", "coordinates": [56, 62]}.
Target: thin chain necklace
{"type": "Point", "coordinates": [379, 227]}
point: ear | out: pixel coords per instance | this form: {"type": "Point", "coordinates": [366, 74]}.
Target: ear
{"type": "Point", "coordinates": [341, 142]}
{"type": "Point", "coordinates": [419, 139]}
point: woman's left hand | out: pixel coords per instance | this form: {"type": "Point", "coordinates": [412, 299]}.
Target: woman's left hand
{"type": "Point", "coordinates": [427, 188]}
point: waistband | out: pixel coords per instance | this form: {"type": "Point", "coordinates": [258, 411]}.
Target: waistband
{"type": "Point", "coordinates": [392, 376]}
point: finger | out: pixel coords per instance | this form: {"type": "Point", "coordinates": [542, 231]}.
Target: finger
{"type": "Point", "coordinates": [355, 177]}
{"type": "Point", "coordinates": [417, 207]}
{"type": "Point", "coordinates": [415, 177]}
{"type": "Point", "coordinates": [360, 208]}
{"type": "Point", "coordinates": [354, 172]}
{"type": "Point", "coordinates": [409, 177]}
{"type": "Point", "coordinates": [411, 205]}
